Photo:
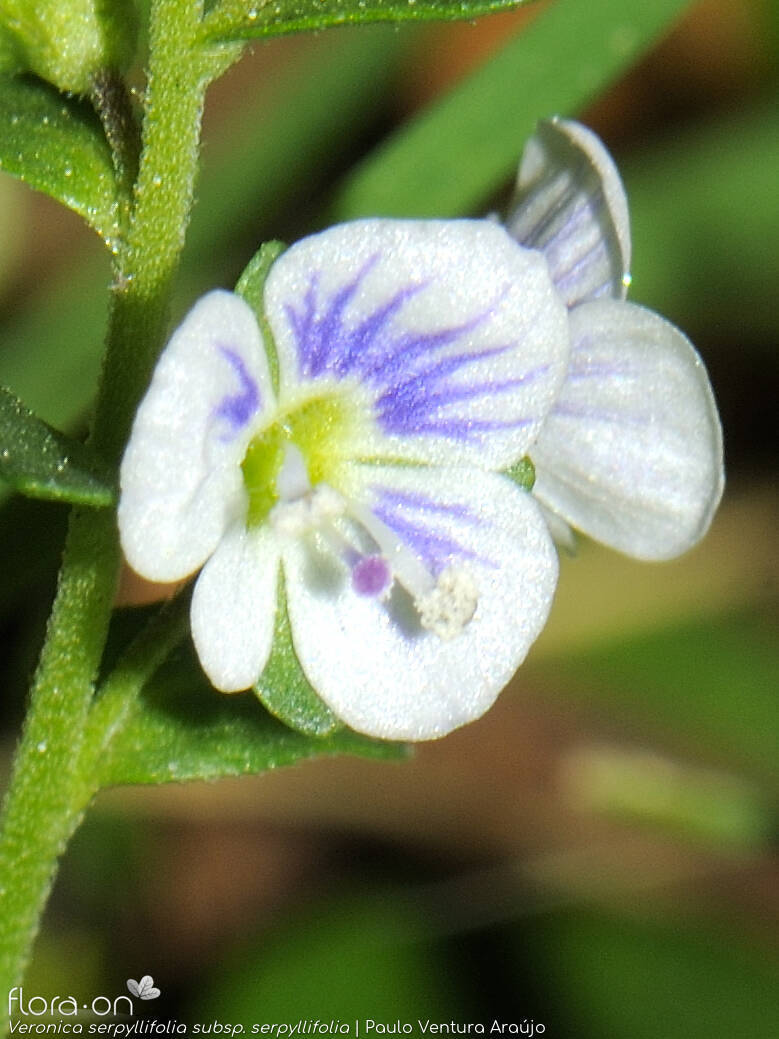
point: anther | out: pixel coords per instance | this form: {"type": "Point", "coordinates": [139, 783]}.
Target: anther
{"type": "Point", "coordinates": [450, 605]}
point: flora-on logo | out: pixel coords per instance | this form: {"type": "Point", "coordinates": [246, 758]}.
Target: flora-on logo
{"type": "Point", "coordinates": [143, 989]}
{"type": "Point", "coordinates": [61, 1006]}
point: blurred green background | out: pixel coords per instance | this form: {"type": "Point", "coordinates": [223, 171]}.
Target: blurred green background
{"type": "Point", "coordinates": [598, 853]}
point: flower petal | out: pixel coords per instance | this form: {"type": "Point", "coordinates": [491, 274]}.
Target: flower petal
{"type": "Point", "coordinates": [632, 451]}
{"type": "Point", "coordinates": [370, 659]}
{"type": "Point", "coordinates": [570, 204]}
{"type": "Point", "coordinates": [454, 333]}
{"type": "Point", "coordinates": [234, 608]}
{"type": "Point", "coordinates": [180, 478]}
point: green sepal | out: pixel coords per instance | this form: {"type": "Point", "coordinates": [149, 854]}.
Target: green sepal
{"type": "Point", "coordinates": [56, 145]}
{"type": "Point", "coordinates": [523, 473]}
{"type": "Point", "coordinates": [251, 285]}
{"type": "Point", "coordinates": [284, 689]}
{"type": "Point", "coordinates": [180, 729]}
{"type": "Point", "coordinates": [247, 19]}
{"type": "Point", "coordinates": [40, 462]}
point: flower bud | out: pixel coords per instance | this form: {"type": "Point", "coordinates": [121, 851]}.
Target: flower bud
{"type": "Point", "coordinates": [67, 41]}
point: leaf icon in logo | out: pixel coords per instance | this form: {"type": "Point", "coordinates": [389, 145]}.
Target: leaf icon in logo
{"type": "Point", "coordinates": [144, 988]}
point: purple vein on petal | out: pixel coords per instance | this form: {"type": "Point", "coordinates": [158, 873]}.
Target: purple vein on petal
{"type": "Point", "coordinates": [597, 415]}
{"type": "Point", "coordinates": [401, 410]}
{"type": "Point", "coordinates": [321, 338]}
{"type": "Point", "coordinates": [558, 187]}
{"type": "Point", "coordinates": [401, 358]}
{"type": "Point", "coordinates": [396, 357]}
{"type": "Point", "coordinates": [356, 350]}
{"type": "Point", "coordinates": [580, 216]}
{"type": "Point", "coordinates": [434, 547]}
{"type": "Point", "coordinates": [239, 407]}
{"type": "Point", "coordinates": [412, 378]}
{"type": "Point", "coordinates": [331, 325]}
{"type": "Point", "coordinates": [566, 278]}
{"type": "Point", "coordinates": [594, 369]}
{"type": "Point", "coordinates": [302, 322]}
{"type": "Point", "coordinates": [409, 500]}
{"type": "Point", "coordinates": [412, 516]}
{"type": "Point", "coordinates": [465, 429]}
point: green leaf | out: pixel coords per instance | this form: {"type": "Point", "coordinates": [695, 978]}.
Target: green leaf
{"type": "Point", "coordinates": [55, 144]}
{"type": "Point", "coordinates": [449, 159]}
{"type": "Point", "coordinates": [38, 461]}
{"type": "Point", "coordinates": [714, 679]}
{"type": "Point", "coordinates": [32, 534]}
{"type": "Point", "coordinates": [249, 19]}
{"type": "Point", "coordinates": [182, 729]}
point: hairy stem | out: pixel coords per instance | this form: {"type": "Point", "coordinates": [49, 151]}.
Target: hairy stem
{"type": "Point", "coordinates": [55, 772]}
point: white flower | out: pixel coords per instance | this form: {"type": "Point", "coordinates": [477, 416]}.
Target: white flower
{"type": "Point", "coordinates": [631, 453]}
{"type": "Point", "coordinates": [348, 472]}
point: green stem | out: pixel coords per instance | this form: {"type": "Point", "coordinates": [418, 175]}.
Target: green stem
{"type": "Point", "coordinates": [140, 660]}
{"type": "Point", "coordinates": [149, 254]}
{"type": "Point", "coordinates": [55, 771]}
{"type": "Point", "coordinates": [47, 794]}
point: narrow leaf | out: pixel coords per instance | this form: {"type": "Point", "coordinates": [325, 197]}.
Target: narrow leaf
{"type": "Point", "coordinates": [38, 461]}
{"type": "Point", "coordinates": [456, 153]}
{"type": "Point", "coordinates": [248, 19]}
{"type": "Point", "coordinates": [713, 679]}
{"type": "Point", "coordinates": [55, 144]}
{"type": "Point", "coordinates": [182, 729]}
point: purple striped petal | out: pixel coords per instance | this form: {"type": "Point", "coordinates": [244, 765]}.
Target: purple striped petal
{"type": "Point", "coordinates": [425, 525]}
{"type": "Point", "coordinates": [370, 659]}
{"type": "Point", "coordinates": [238, 408]}
{"type": "Point", "coordinates": [181, 478]}
{"type": "Point", "coordinates": [570, 204]}
{"type": "Point", "coordinates": [632, 451]}
{"type": "Point", "coordinates": [451, 330]}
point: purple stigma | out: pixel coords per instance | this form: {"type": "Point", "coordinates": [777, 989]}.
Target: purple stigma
{"type": "Point", "coordinates": [371, 576]}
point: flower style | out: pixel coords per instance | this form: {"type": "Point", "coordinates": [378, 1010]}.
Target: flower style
{"type": "Point", "coordinates": [343, 472]}
{"type": "Point", "coordinates": [631, 452]}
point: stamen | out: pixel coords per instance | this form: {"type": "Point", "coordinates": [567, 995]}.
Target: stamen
{"type": "Point", "coordinates": [404, 564]}
{"type": "Point", "coordinates": [314, 510]}
{"type": "Point", "coordinates": [450, 605]}
{"type": "Point", "coordinates": [445, 605]}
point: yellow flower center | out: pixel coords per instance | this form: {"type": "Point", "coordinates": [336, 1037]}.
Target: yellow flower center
{"type": "Point", "coordinates": [325, 429]}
